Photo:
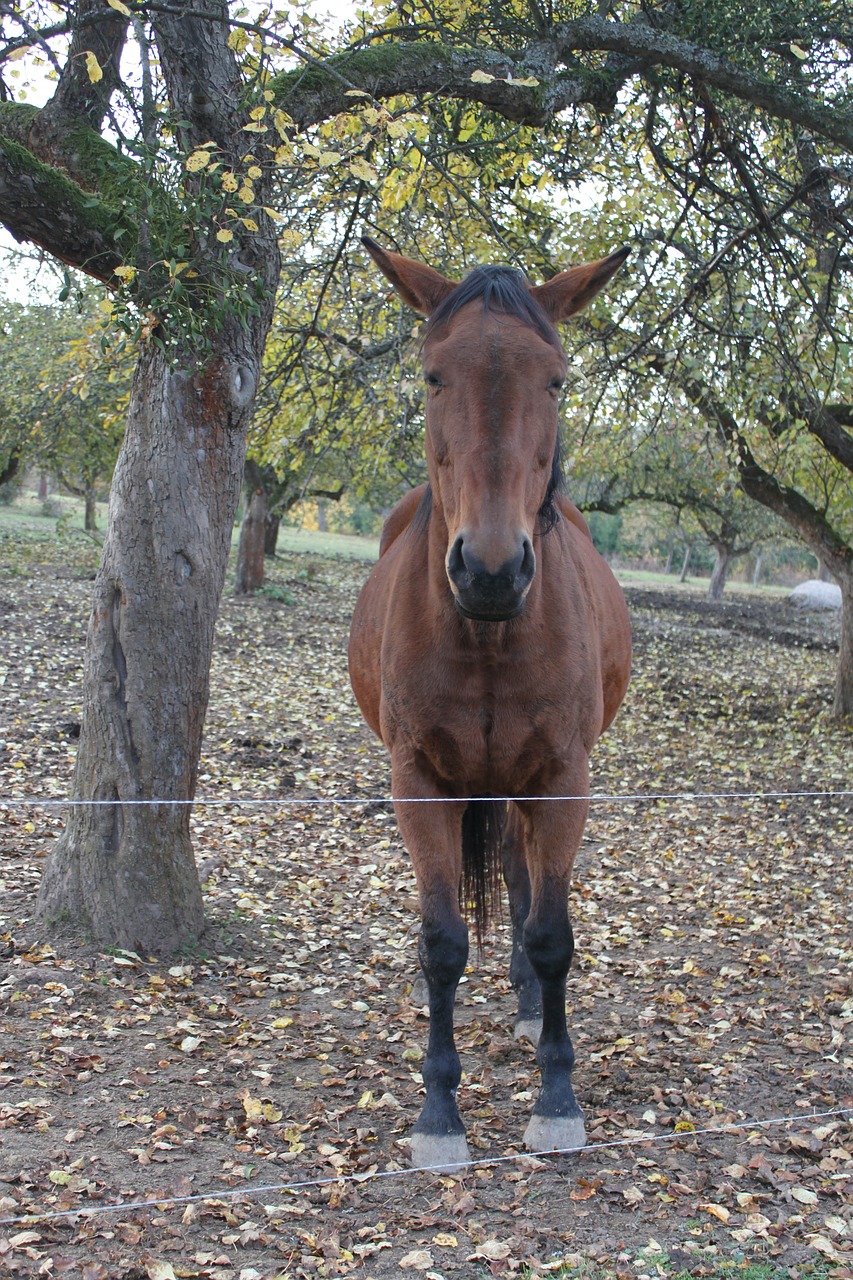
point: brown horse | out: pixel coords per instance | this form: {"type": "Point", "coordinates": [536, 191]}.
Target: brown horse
{"type": "Point", "coordinates": [490, 648]}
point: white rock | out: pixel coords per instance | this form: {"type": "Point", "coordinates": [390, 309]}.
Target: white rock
{"type": "Point", "coordinates": [815, 594]}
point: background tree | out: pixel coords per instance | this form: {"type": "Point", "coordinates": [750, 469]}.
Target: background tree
{"type": "Point", "coordinates": [70, 394]}
{"type": "Point", "coordinates": [681, 465]}
{"type": "Point", "coordinates": [166, 175]}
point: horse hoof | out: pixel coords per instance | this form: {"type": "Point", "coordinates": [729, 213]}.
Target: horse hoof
{"type": "Point", "coordinates": [555, 1133]}
{"type": "Point", "coordinates": [442, 1153]}
{"type": "Point", "coordinates": [528, 1029]}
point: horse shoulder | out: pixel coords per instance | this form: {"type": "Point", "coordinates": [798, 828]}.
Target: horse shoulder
{"type": "Point", "coordinates": [572, 514]}
{"type": "Point", "coordinates": [608, 611]}
{"type": "Point", "coordinates": [401, 517]}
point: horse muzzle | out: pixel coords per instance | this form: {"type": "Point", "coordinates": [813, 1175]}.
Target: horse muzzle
{"type": "Point", "coordinates": [485, 595]}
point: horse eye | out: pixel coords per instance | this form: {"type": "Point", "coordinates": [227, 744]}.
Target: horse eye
{"type": "Point", "coordinates": [556, 384]}
{"type": "Point", "coordinates": [432, 380]}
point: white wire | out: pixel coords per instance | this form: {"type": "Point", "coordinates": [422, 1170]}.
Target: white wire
{"type": "Point", "coordinates": [341, 1179]}
{"type": "Point", "coordinates": [297, 801]}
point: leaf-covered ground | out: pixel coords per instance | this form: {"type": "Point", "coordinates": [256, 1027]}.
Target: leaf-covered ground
{"type": "Point", "coordinates": [711, 988]}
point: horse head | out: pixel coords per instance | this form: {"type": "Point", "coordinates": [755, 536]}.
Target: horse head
{"type": "Point", "coordinates": [493, 367]}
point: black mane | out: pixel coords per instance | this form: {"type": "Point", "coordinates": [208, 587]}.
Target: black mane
{"type": "Point", "coordinates": [502, 289]}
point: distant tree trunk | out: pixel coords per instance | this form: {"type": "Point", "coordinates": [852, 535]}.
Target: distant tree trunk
{"type": "Point", "coordinates": [250, 551]}
{"type": "Point", "coordinates": [272, 526]}
{"type": "Point", "coordinates": [125, 870]}
{"type": "Point", "coordinates": [670, 555]}
{"type": "Point", "coordinates": [43, 489]}
{"type": "Point", "coordinates": [685, 563]}
{"type": "Point", "coordinates": [322, 525]}
{"type": "Point", "coordinates": [720, 572]}
{"type": "Point", "coordinates": [90, 519]}
{"type": "Point", "coordinates": [843, 700]}
{"type": "Point", "coordinates": [759, 564]}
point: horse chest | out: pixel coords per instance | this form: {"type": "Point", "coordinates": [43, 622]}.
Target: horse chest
{"type": "Point", "coordinates": [484, 727]}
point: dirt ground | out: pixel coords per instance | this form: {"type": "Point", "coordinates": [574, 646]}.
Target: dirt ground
{"type": "Point", "coordinates": [240, 1111]}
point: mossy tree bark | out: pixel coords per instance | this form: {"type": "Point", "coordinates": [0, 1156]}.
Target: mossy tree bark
{"type": "Point", "coordinates": [124, 867]}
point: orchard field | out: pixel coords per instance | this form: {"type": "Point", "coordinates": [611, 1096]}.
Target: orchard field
{"type": "Point", "coordinates": [255, 1091]}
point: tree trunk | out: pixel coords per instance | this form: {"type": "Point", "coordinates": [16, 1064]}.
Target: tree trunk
{"type": "Point", "coordinates": [273, 523]}
{"type": "Point", "coordinates": [42, 487]}
{"type": "Point", "coordinates": [90, 519]}
{"type": "Point", "coordinates": [756, 573]}
{"type": "Point", "coordinates": [123, 868]}
{"type": "Point", "coordinates": [322, 524]}
{"type": "Point", "coordinates": [669, 558]}
{"type": "Point", "coordinates": [682, 577]}
{"type": "Point", "coordinates": [720, 572]}
{"type": "Point", "coordinates": [843, 701]}
{"type": "Point", "coordinates": [250, 551]}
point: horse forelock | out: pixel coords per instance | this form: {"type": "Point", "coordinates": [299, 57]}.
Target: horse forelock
{"type": "Point", "coordinates": [503, 290]}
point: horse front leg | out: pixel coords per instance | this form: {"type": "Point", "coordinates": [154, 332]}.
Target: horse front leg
{"type": "Point", "coordinates": [433, 836]}
{"type": "Point", "coordinates": [553, 835]}
{"type": "Point", "coordinates": [528, 1018]}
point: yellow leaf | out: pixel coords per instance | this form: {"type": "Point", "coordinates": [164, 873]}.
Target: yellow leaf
{"type": "Point", "coordinates": [249, 224]}
{"type": "Point", "coordinates": [224, 235]}
{"type": "Point", "coordinates": [362, 170]}
{"type": "Point", "coordinates": [125, 273]}
{"type": "Point", "coordinates": [246, 194]}
{"type": "Point", "coordinates": [276, 217]}
{"type": "Point", "coordinates": [119, 7]}
{"type": "Point", "coordinates": [529, 83]}
{"type": "Point", "coordinates": [803, 1196]}
{"type": "Point", "coordinates": [197, 160]}
{"type": "Point", "coordinates": [482, 77]}
{"type": "Point", "coordinates": [253, 1107]}
{"type": "Point", "coordinates": [799, 52]}
{"type": "Point", "coordinates": [327, 158]}
{"type": "Point", "coordinates": [717, 1211]}
{"type": "Point", "coordinates": [445, 1241]}
{"type": "Point", "coordinates": [93, 67]}
{"type": "Point", "coordinates": [397, 129]}
{"type": "Point", "coordinates": [59, 1177]}
{"type": "Point", "coordinates": [229, 181]}
{"type": "Point", "coordinates": [255, 172]}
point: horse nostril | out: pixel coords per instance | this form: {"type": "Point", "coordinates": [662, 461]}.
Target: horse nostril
{"type": "Point", "coordinates": [527, 569]}
{"type": "Point", "coordinates": [456, 560]}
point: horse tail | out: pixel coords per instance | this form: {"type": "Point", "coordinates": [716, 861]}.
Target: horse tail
{"type": "Point", "coordinates": [482, 836]}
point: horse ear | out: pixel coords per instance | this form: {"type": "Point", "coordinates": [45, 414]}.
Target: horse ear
{"type": "Point", "coordinates": [570, 291]}
{"type": "Point", "coordinates": [417, 284]}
